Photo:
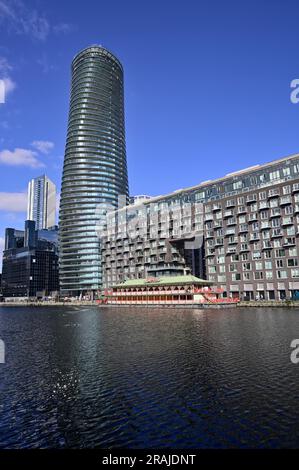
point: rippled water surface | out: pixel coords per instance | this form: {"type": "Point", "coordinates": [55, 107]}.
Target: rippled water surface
{"type": "Point", "coordinates": [86, 377]}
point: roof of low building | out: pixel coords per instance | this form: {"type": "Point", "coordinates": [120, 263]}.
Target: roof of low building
{"type": "Point", "coordinates": [163, 281]}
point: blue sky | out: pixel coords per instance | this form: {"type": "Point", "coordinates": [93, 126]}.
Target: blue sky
{"type": "Point", "coordinates": [207, 87]}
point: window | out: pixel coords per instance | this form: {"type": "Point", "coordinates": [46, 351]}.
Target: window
{"type": "Point", "coordinates": [237, 185]}
{"type": "Point", "coordinates": [286, 171]}
{"type": "Point", "coordinates": [286, 189]}
{"type": "Point", "coordinates": [258, 266]}
{"type": "Point", "coordinates": [293, 262]}
{"type": "Point", "coordinates": [262, 196]}
{"type": "Point", "coordinates": [274, 175]}
{"type": "Point", "coordinates": [269, 275]}
{"type": "Point", "coordinates": [258, 275]}
{"type": "Point", "coordinates": [246, 266]}
{"type": "Point", "coordinates": [276, 223]}
{"type": "Point", "coordinates": [279, 253]}
{"type": "Point", "coordinates": [279, 263]}
{"type": "Point", "coordinates": [295, 272]}
{"type": "Point", "coordinates": [268, 264]}
{"type": "Point", "coordinates": [281, 274]}
{"type": "Point", "coordinates": [236, 276]}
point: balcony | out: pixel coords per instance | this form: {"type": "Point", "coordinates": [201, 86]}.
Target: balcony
{"type": "Point", "coordinates": [244, 247]}
{"type": "Point", "coordinates": [208, 217]}
{"type": "Point", "coordinates": [295, 188]}
{"type": "Point", "coordinates": [273, 193]}
{"type": "Point", "coordinates": [231, 221]}
{"type": "Point", "coordinates": [228, 213]}
{"type": "Point", "coordinates": [230, 231]}
{"type": "Point", "coordinates": [231, 250]}
{"type": "Point", "coordinates": [277, 232]}
{"type": "Point", "coordinates": [233, 241]}
{"type": "Point", "coordinates": [275, 212]}
{"type": "Point", "coordinates": [265, 225]}
{"type": "Point", "coordinates": [254, 237]}
{"type": "Point", "coordinates": [231, 203]}
{"type": "Point", "coordinates": [290, 241]}
{"type": "Point", "coordinates": [209, 234]}
{"type": "Point", "coordinates": [253, 217]}
{"type": "Point", "coordinates": [243, 228]}
{"type": "Point", "coordinates": [267, 246]}
{"type": "Point", "coordinates": [263, 206]}
{"type": "Point", "coordinates": [242, 210]}
{"type": "Point", "coordinates": [251, 198]}
{"type": "Point", "coordinates": [285, 200]}
{"type": "Point", "coordinates": [296, 208]}
{"type": "Point", "coordinates": [218, 224]}
{"type": "Point", "coordinates": [217, 207]}
{"type": "Point", "coordinates": [287, 221]}
{"type": "Point", "coordinates": [219, 242]}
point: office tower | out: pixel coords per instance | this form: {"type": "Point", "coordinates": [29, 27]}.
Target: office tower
{"type": "Point", "coordinates": [30, 262]}
{"type": "Point", "coordinates": [95, 169]}
{"type": "Point", "coordinates": [250, 225]}
{"type": "Point", "coordinates": [41, 205]}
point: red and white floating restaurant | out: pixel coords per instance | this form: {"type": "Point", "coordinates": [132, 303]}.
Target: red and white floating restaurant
{"type": "Point", "coordinates": [170, 290]}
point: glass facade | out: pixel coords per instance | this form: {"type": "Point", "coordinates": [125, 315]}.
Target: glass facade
{"type": "Point", "coordinates": [95, 168]}
{"type": "Point", "coordinates": [42, 202]}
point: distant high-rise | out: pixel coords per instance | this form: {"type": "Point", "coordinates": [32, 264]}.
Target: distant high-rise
{"type": "Point", "coordinates": [41, 206]}
{"type": "Point", "coordinates": [95, 168]}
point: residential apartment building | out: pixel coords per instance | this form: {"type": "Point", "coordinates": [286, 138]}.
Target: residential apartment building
{"type": "Point", "coordinates": [240, 232]}
{"type": "Point", "coordinates": [41, 205]}
{"type": "Point", "coordinates": [95, 166]}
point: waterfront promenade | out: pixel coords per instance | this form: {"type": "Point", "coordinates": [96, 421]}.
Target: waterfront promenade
{"type": "Point", "coordinates": [78, 303]}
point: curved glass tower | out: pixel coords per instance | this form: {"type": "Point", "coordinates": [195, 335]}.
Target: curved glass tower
{"type": "Point", "coordinates": [95, 168]}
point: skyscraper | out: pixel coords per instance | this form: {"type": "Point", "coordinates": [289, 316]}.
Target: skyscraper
{"type": "Point", "coordinates": [95, 168]}
{"type": "Point", "coordinates": [41, 206]}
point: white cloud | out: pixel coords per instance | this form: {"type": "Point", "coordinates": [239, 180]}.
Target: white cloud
{"type": "Point", "coordinates": [20, 157]}
{"type": "Point", "coordinates": [13, 202]}
{"type": "Point", "coordinates": [5, 69]}
{"type": "Point", "coordinates": [9, 84]}
{"type": "Point", "coordinates": [44, 146]}
{"type": "Point", "coordinates": [21, 19]}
